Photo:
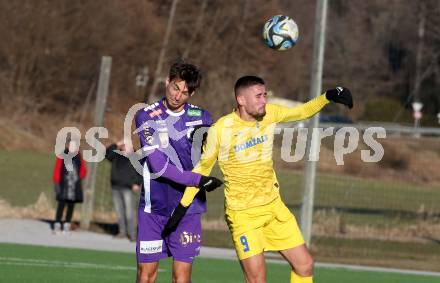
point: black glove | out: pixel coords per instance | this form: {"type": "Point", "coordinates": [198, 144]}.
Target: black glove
{"type": "Point", "coordinates": [174, 220]}
{"type": "Point", "coordinates": [340, 95]}
{"type": "Point", "coordinates": [209, 183]}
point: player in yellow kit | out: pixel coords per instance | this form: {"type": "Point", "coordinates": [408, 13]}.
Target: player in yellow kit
{"type": "Point", "coordinates": [242, 143]}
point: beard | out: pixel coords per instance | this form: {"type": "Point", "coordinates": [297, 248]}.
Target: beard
{"type": "Point", "coordinates": [259, 115]}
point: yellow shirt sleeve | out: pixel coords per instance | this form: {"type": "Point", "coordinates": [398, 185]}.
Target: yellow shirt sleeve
{"type": "Point", "coordinates": [204, 166]}
{"type": "Point", "coordinates": [304, 111]}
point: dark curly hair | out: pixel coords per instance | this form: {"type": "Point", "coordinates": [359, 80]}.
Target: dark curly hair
{"type": "Point", "coordinates": [186, 72]}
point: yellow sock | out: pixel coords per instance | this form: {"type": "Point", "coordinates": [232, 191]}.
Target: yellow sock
{"type": "Point", "coordinates": [295, 278]}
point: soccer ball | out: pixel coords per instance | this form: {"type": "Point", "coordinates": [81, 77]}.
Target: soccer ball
{"type": "Point", "coordinates": [280, 32]}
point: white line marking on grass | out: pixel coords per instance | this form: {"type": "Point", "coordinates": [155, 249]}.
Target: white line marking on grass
{"type": "Point", "coordinates": [55, 263]}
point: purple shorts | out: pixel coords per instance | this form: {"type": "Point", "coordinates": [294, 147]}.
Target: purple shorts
{"type": "Point", "coordinates": [183, 244]}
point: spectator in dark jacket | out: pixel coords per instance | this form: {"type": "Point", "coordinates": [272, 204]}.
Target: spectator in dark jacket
{"type": "Point", "coordinates": [124, 180]}
{"type": "Point", "coordinates": [68, 187]}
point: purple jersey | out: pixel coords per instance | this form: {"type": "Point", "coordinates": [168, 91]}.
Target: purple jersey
{"type": "Point", "coordinates": [165, 138]}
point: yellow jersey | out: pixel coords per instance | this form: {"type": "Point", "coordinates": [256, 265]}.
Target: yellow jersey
{"type": "Point", "coordinates": [243, 150]}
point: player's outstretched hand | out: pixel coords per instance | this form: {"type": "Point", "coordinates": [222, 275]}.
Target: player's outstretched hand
{"type": "Point", "coordinates": [209, 183]}
{"type": "Point", "coordinates": [340, 95]}
{"type": "Point", "coordinates": [174, 220]}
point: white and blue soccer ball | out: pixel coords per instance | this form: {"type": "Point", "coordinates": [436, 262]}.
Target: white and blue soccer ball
{"type": "Point", "coordinates": [280, 32]}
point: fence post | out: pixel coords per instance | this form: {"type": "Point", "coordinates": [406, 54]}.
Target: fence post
{"type": "Point", "coordinates": [100, 105]}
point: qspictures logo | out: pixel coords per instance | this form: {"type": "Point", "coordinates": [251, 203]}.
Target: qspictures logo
{"type": "Point", "coordinates": [158, 134]}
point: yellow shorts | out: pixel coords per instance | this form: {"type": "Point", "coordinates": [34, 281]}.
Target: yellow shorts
{"type": "Point", "coordinates": [271, 227]}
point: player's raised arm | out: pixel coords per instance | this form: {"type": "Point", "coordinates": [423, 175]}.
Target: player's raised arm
{"type": "Point", "coordinates": [338, 95]}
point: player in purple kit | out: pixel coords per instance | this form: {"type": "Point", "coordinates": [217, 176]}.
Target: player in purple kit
{"type": "Point", "coordinates": [166, 131]}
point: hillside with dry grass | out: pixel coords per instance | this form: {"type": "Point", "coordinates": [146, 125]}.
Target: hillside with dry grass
{"type": "Point", "coordinates": [50, 57]}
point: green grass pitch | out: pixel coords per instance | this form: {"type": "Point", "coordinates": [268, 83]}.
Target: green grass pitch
{"type": "Point", "coordinates": [24, 263]}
